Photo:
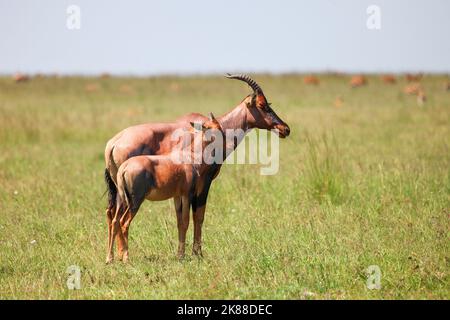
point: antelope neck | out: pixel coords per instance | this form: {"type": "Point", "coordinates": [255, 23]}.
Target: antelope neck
{"type": "Point", "coordinates": [235, 119]}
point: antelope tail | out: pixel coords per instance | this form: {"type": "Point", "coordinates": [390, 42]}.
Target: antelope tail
{"type": "Point", "coordinates": [111, 189]}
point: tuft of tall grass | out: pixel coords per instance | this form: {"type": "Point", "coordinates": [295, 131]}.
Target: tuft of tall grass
{"type": "Point", "coordinates": [327, 177]}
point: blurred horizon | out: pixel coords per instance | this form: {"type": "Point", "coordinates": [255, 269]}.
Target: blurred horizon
{"type": "Point", "coordinates": [218, 74]}
{"type": "Point", "coordinates": [176, 38]}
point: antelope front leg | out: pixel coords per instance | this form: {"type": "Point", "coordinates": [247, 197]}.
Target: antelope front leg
{"type": "Point", "coordinates": [199, 216]}
{"type": "Point", "coordinates": [182, 223]}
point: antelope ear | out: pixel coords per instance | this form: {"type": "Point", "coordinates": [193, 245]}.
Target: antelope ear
{"type": "Point", "coordinates": [250, 100]}
{"type": "Point", "coordinates": [213, 119]}
{"type": "Point", "coordinates": [196, 125]}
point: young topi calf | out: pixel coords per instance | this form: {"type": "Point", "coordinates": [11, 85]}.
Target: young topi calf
{"type": "Point", "coordinates": [158, 178]}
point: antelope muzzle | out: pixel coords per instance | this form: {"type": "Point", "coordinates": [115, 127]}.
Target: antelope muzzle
{"type": "Point", "coordinates": [283, 130]}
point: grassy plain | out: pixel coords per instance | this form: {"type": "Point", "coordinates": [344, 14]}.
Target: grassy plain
{"type": "Point", "coordinates": [362, 182]}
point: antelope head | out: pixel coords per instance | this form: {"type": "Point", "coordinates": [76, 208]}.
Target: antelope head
{"type": "Point", "coordinates": [207, 133]}
{"type": "Point", "coordinates": [259, 111]}
{"type": "Point", "coordinates": [210, 124]}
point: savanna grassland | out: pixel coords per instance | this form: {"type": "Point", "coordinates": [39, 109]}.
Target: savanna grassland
{"type": "Point", "coordinates": [364, 179]}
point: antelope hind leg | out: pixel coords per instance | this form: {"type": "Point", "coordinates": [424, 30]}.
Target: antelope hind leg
{"type": "Point", "coordinates": [109, 218]}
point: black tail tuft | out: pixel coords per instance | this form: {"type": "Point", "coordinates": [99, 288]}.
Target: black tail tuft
{"type": "Point", "coordinates": [112, 189]}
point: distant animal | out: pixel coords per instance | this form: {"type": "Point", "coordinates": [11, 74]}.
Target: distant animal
{"type": "Point", "coordinates": [412, 89]}
{"type": "Point", "coordinates": [126, 89]}
{"type": "Point", "coordinates": [174, 87]}
{"type": "Point", "coordinates": [415, 89]}
{"type": "Point", "coordinates": [19, 77]}
{"type": "Point", "coordinates": [358, 81]}
{"type": "Point", "coordinates": [413, 77]}
{"type": "Point", "coordinates": [338, 102]}
{"type": "Point", "coordinates": [446, 86]}
{"type": "Point", "coordinates": [421, 98]}
{"type": "Point", "coordinates": [311, 80]}
{"type": "Point", "coordinates": [389, 79]}
{"type": "Point", "coordinates": [92, 87]}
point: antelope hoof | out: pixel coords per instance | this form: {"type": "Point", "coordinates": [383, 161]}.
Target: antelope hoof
{"type": "Point", "coordinates": [198, 254]}
{"type": "Point", "coordinates": [181, 250]}
{"type": "Point", "coordinates": [109, 259]}
{"type": "Point", "coordinates": [197, 251]}
{"type": "Point", "coordinates": [125, 257]}
{"type": "Point", "coordinates": [120, 256]}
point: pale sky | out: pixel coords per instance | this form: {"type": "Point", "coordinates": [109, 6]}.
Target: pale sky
{"type": "Point", "coordinates": [144, 37]}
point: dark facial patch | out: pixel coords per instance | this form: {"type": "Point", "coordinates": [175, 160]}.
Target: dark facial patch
{"type": "Point", "coordinates": [273, 116]}
{"type": "Point", "coordinates": [260, 101]}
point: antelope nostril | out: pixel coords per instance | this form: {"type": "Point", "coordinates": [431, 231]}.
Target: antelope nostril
{"type": "Point", "coordinates": [287, 131]}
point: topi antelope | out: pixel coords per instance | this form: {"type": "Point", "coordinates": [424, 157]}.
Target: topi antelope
{"type": "Point", "coordinates": [358, 81]}
{"type": "Point", "coordinates": [413, 77]}
{"type": "Point", "coordinates": [155, 139]}
{"type": "Point", "coordinates": [389, 79]}
{"type": "Point", "coordinates": [161, 177]}
{"type": "Point", "coordinates": [412, 89]}
{"type": "Point", "coordinates": [421, 97]}
{"type": "Point", "coordinates": [311, 80]}
{"type": "Point", "coordinates": [415, 89]}
{"type": "Point", "coordinates": [338, 102]}
{"type": "Point", "coordinates": [446, 86]}
{"type": "Point", "coordinates": [19, 77]}
{"type": "Point", "coordinates": [144, 139]}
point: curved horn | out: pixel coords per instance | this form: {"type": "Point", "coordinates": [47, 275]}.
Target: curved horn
{"type": "Point", "coordinates": [243, 77]}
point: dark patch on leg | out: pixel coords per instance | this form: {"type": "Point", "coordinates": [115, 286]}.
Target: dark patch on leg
{"type": "Point", "coordinates": [201, 199]}
{"type": "Point", "coordinates": [191, 196]}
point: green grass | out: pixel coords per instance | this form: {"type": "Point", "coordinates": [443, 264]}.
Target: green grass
{"type": "Point", "coordinates": [364, 184]}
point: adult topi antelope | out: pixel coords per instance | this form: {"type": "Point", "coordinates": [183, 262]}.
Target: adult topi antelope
{"type": "Point", "coordinates": [155, 139]}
